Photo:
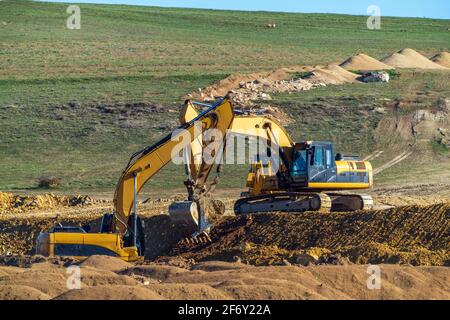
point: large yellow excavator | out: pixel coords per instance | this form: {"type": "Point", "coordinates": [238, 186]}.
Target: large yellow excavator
{"type": "Point", "coordinates": [284, 176]}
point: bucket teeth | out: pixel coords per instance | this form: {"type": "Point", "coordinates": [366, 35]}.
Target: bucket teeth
{"type": "Point", "coordinates": [202, 238]}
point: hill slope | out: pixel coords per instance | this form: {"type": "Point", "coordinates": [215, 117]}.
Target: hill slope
{"type": "Point", "coordinates": [77, 103]}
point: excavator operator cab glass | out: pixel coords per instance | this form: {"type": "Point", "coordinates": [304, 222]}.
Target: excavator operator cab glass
{"type": "Point", "coordinates": [322, 167]}
{"type": "Point", "coordinates": [299, 165]}
{"type": "Point", "coordinates": [322, 155]}
{"type": "Point", "coordinates": [313, 161]}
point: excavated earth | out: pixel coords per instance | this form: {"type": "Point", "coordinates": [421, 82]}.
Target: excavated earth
{"type": "Point", "coordinates": [102, 277]}
{"type": "Point", "coordinates": [261, 256]}
{"type": "Point", "coordinates": [406, 235]}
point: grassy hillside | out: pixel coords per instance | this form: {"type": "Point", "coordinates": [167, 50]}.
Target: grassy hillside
{"type": "Point", "coordinates": [54, 81]}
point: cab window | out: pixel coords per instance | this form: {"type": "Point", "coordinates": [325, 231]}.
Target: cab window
{"type": "Point", "coordinates": [329, 157]}
{"type": "Point", "coordinates": [319, 156]}
{"type": "Point", "coordinates": [299, 166]}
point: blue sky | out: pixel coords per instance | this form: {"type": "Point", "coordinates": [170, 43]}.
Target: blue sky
{"type": "Point", "coordinates": [402, 8]}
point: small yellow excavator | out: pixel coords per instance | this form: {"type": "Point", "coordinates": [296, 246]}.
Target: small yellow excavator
{"type": "Point", "coordinates": [304, 176]}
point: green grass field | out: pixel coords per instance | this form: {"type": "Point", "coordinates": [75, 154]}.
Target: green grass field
{"type": "Point", "coordinates": [52, 78]}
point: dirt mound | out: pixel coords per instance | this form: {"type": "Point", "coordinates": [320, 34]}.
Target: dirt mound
{"type": "Point", "coordinates": [332, 74]}
{"type": "Point", "coordinates": [19, 292]}
{"type": "Point", "coordinates": [322, 282]}
{"type": "Point", "coordinates": [16, 203]}
{"type": "Point", "coordinates": [98, 277]}
{"type": "Point", "coordinates": [239, 281]}
{"type": "Point", "coordinates": [249, 93]}
{"type": "Point", "coordinates": [105, 263]}
{"type": "Point", "coordinates": [234, 81]}
{"type": "Point", "coordinates": [364, 62]}
{"type": "Point", "coordinates": [219, 266]}
{"type": "Point", "coordinates": [110, 292]}
{"type": "Point", "coordinates": [415, 235]}
{"type": "Point", "coordinates": [178, 291]}
{"type": "Point", "coordinates": [49, 281]}
{"type": "Point", "coordinates": [158, 272]}
{"type": "Point", "coordinates": [442, 59]}
{"type": "Point", "coordinates": [408, 58]}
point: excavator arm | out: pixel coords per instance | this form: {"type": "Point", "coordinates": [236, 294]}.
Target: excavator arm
{"type": "Point", "coordinates": [144, 164]}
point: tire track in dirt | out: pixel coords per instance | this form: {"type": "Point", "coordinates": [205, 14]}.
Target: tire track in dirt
{"type": "Point", "coordinates": [393, 162]}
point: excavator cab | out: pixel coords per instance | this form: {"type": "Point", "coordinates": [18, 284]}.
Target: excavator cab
{"type": "Point", "coordinates": [313, 161]}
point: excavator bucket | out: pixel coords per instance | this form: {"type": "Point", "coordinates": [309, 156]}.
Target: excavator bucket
{"type": "Point", "coordinates": [184, 215]}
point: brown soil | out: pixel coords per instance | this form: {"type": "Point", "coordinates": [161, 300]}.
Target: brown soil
{"type": "Point", "coordinates": [19, 292]}
{"type": "Point", "coordinates": [223, 280]}
{"type": "Point", "coordinates": [278, 255]}
{"type": "Point", "coordinates": [414, 235]}
{"type": "Point", "coordinates": [332, 74]}
{"type": "Point", "coordinates": [10, 203]}
{"type": "Point", "coordinates": [364, 62]}
{"type": "Point", "coordinates": [232, 82]}
{"type": "Point", "coordinates": [101, 277]}
{"type": "Point", "coordinates": [105, 263]}
{"type": "Point", "coordinates": [408, 58]}
{"type": "Point", "coordinates": [110, 292]}
{"type": "Point", "coordinates": [442, 59]}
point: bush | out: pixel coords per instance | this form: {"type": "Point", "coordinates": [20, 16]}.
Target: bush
{"type": "Point", "coordinates": [48, 182]}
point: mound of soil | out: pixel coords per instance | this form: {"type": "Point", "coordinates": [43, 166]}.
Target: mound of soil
{"type": "Point", "coordinates": [190, 291]}
{"type": "Point", "coordinates": [157, 272]}
{"type": "Point", "coordinates": [234, 81]}
{"type": "Point", "coordinates": [98, 277]}
{"type": "Point", "coordinates": [415, 235]}
{"type": "Point", "coordinates": [105, 263]}
{"type": "Point", "coordinates": [16, 203]}
{"type": "Point", "coordinates": [442, 59]}
{"type": "Point", "coordinates": [49, 281]}
{"type": "Point", "coordinates": [110, 292]}
{"type": "Point", "coordinates": [408, 58]}
{"type": "Point", "coordinates": [19, 292]}
{"type": "Point", "coordinates": [364, 62]}
{"type": "Point", "coordinates": [332, 74]}
{"type": "Point", "coordinates": [221, 280]}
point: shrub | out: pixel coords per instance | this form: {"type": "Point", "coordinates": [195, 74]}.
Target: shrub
{"type": "Point", "coordinates": [48, 182]}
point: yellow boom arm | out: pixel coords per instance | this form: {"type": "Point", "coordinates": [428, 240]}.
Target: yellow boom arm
{"type": "Point", "coordinates": [146, 163]}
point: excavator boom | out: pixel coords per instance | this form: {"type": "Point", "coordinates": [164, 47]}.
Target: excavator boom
{"type": "Point", "coordinates": [144, 164]}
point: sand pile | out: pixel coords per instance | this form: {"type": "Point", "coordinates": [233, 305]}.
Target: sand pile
{"type": "Point", "coordinates": [18, 292]}
{"type": "Point", "coordinates": [415, 235]}
{"type": "Point", "coordinates": [105, 263]}
{"type": "Point", "coordinates": [101, 277]}
{"type": "Point", "coordinates": [332, 74]}
{"type": "Point", "coordinates": [50, 280]}
{"type": "Point", "coordinates": [234, 81]}
{"type": "Point", "coordinates": [110, 292]}
{"type": "Point", "coordinates": [442, 59]}
{"type": "Point", "coordinates": [17, 203]}
{"type": "Point", "coordinates": [247, 91]}
{"type": "Point", "coordinates": [157, 272]}
{"type": "Point", "coordinates": [364, 62]}
{"type": "Point", "coordinates": [408, 58]}
{"type": "Point", "coordinates": [222, 280]}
